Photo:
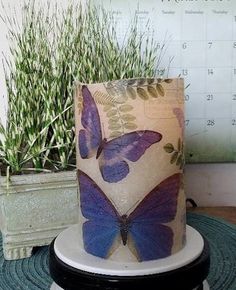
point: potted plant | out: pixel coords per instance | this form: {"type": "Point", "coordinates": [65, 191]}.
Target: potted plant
{"type": "Point", "coordinates": [49, 49]}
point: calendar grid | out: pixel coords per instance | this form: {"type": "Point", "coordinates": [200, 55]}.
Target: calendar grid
{"type": "Point", "coordinates": [201, 42]}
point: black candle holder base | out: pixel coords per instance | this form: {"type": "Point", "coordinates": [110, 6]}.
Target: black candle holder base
{"type": "Point", "coordinates": [73, 269]}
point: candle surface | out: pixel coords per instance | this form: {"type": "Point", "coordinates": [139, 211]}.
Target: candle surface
{"type": "Point", "coordinates": [129, 142]}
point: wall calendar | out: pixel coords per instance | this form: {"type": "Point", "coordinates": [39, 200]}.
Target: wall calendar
{"type": "Point", "coordinates": [199, 37]}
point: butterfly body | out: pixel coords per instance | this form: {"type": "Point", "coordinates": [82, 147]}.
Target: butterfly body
{"type": "Point", "coordinates": [145, 230]}
{"type": "Point", "coordinates": [100, 147]}
{"type": "Point", "coordinates": [112, 155]}
{"type": "Point", "coordinates": [124, 228]}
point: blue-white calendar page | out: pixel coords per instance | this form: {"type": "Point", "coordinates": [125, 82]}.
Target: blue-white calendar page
{"type": "Point", "coordinates": [200, 45]}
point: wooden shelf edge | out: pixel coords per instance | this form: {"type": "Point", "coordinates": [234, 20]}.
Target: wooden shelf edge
{"type": "Point", "coordinates": [228, 213]}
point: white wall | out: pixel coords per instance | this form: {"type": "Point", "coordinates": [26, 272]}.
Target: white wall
{"type": "Point", "coordinates": [208, 184]}
{"type": "Point", "coordinates": [211, 184]}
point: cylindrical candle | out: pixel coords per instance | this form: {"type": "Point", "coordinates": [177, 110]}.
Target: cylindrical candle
{"type": "Point", "coordinates": [129, 139]}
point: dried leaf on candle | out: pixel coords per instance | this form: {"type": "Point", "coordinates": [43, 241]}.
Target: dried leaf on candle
{"type": "Point", "coordinates": [141, 81]}
{"type": "Point", "coordinates": [128, 117]}
{"type": "Point", "coordinates": [142, 94]}
{"type": "Point", "coordinates": [179, 160]}
{"type": "Point", "coordinates": [117, 91]}
{"type": "Point", "coordinates": [107, 107]}
{"type": "Point", "coordinates": [174, 157]}
{"type": "Point", "coordinates": [114, 126]}
{"type": "Point", "coordinates": [160, 90]}
{"type": "Point", "coordinates": [130, 126]}
{"type": "Point", "coordinates": [111, 113]}
{"type": "Point", "coordinates": [131, 82]}
{"type": "Point", "coordinates": [152, 91]}
{"type": "Point", "coordinates": [169, 148]}
{"type": "Point", "coordinates": [115, 134]}
{"type": "Point", "coordinates": [103, 99]}
{"type": "Point", "coordinates": [131, 92]}
{"type": "Point", "coordinates": [168, 81]}
{"type": "Point", "coordinates": [125, 108]}
{"type": "Point", "coordinates": [179, 144]}
{"type": "Point", "coordinates": [114, 119]}
{"type": "Point", "coordinates": [150, 81]}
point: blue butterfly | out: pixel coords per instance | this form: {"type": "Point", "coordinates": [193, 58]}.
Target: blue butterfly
{"type": "Point", "coordinates": [111, 154]}
{"type": "Point", "coordinates": [143, 230]}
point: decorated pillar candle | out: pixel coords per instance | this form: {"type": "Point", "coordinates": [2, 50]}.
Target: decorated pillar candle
{"type": "Point", "coordinates": [129, 139]}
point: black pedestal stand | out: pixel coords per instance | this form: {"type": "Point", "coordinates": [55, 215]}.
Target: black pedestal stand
{"type": "Point", "coordinates": [188, 277]}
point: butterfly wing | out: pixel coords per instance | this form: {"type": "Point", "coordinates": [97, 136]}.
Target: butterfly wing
{"type": "Point", "coordinates": [150, 238]}
{"type": "Point", "coordinates": [131, 146]}
{"type": "Point", "coordinates": [145, 249]}
{"type": "Point", "coordinates": [91, 136]}
{"type": "Point", "coordinates": [100, 239]}
{"type": "Point", "coordinates": [102, 227]}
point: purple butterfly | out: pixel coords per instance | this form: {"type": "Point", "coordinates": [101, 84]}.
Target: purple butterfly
{"type": "Point", "coordinates": [110, 154]}
{"type": "Point", "coordinates": [143, 230]}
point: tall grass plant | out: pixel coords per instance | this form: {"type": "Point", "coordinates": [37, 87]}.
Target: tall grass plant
{"type": "Point", "coordinates": [49, 50]}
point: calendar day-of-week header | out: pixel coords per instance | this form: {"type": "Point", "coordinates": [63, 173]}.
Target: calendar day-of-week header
{"type": "Point", "coordinates": [189, 1]}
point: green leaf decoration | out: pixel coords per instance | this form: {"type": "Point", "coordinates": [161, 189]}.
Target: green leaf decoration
{"type": "Point", "coordinates": [128, 117]}
{"type": "Point", "coordinates": [125, 108]}
{"type": "Point", "coordinates": [130, 126]}
{"type": "Point", "coordinates": [152, 91]}
{"type": "Point", "coordinates": [174, 157]}
{"type": "Point", "coordinates": [103, 99]}
{"type": "Point", "coordinates": [168, 81]}
{"type": "Point", "coordinates": [169, 148]}
{"type": "Point", "coordinates": [114, 126]}
{"type": "Point", "coordinates": [150, 81]}
{"type": "Point", "coordinates": [160, 90]}
{"type": "Point", "coordinates": [131, 92]}
{"type": "Point", "coordinates": [107, 108]}
{"type": "Point", "coordinates": [142, 94]}
{"type": "Point", "coordinates": [141, 81]}
{"type": "Point", "coordinates": [115, 134]}
{"type": "Point", "coordinates": [111, 113]}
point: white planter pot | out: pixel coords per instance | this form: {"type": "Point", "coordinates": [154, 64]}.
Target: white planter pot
{"type": "Point", "coordinates": [34, 209]}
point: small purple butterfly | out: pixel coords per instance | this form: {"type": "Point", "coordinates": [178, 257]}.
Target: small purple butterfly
{"type": "Point", "coordinates": [110, 154]}
{"type": "Point", "coordinates": [143, 230]}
